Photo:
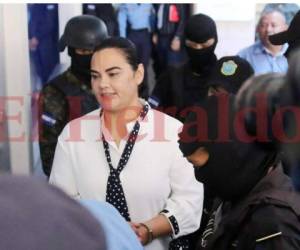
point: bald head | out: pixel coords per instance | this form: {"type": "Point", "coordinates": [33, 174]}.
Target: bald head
{"type": "Point", "coordinates": [271, 22]}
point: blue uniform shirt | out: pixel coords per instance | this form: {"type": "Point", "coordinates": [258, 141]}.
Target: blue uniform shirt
{"type": "Point", "coordinates": [262, 61]}
{"type": "Point", "coordinates": [137, 15]}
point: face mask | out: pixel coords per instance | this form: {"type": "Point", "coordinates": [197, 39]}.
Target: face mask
{"type": "Point", "coordinates": [234, 167]}
{"type": "Point", "coordinates": [200, 28]}
{"type": "Point", "coordinates": [201, 59]}
{"type": "Point", "coordinates": [80, 66]}
{"type": "Point", "coordinates": [231, 172]}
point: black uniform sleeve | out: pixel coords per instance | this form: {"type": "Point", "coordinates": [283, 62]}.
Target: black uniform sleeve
{"type": "Point", "coordinates": [52, 119]}
{"type": "Point", "coordinates": [272, 228]}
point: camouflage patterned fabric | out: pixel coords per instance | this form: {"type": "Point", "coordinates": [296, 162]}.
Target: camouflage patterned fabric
{"type": "Point", "coordinates": [61, 100]}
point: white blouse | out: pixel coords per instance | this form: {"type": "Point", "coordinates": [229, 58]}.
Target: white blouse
{"type": "Point", "coordinates": [157, 177]}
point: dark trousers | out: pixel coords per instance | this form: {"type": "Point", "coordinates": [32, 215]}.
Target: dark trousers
{"type": "Point", "coordinates": [165, 56]}
{"type": "Point", "coordinates": [142, 41]}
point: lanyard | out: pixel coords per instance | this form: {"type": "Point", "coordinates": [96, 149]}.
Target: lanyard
{"type": "Point", "coordinates": [114, 190]}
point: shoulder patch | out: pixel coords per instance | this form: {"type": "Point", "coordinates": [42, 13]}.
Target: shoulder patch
{"type": "Point", "coordinates": [229, 68]}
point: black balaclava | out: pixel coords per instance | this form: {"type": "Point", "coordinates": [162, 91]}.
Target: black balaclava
{"type": "Point", "coordinates": [80, 65]}
{"type": "Point", "coordinates": [199, 29]}
{"type": "Point", "coordinates": [234, 167]}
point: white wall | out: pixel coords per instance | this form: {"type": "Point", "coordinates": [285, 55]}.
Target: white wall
{"type": "Point", "coordinates": [234, 36]}
{"type": "Point", "coordinates": [15, 66]}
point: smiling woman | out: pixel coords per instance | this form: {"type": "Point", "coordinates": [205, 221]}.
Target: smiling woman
{"type": "Point", "coordinates": [116, 76]}
{"type": "Point", "coordinates": [117, 160]}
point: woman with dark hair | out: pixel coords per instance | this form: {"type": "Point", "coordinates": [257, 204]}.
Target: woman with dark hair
{"type": "Point", "coordinates": [127, 154]}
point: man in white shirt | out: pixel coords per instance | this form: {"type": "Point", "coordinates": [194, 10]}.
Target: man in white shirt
{"type": "Point", "coordinates": [263, 56]}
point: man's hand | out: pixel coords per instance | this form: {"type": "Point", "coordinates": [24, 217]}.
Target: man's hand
{"type": "Point", "coordinates": [175, 44]}
{"type": "Point", "coordinates": [33, 43]}
{"type": "Point", "coordinates": [141, 232]}
{"type": "Point", "coordinates": [154, 39]}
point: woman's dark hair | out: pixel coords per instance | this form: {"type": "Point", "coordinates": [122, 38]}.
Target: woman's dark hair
{"type": "Point", "coordinates": [123, 44]}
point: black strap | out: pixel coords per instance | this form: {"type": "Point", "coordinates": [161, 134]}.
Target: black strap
{"type": "Point", "coordinates": [114, 190]}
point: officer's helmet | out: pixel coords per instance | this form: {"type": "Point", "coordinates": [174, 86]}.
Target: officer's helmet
{"type": "Point", "coordinates": [83, 32]}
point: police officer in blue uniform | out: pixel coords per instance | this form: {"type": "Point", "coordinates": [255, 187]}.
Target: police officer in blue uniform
{"type": "Point", "coordinates": [135, 24]}
{"type": "Point", "coordinates": [107, 13]}
{"type": "Point", "coordinates": [43, 38]}
{"type": "Point", "coordinates": [69, 95]}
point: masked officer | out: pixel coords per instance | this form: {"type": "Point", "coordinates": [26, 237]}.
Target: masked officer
{"type": "Point", "coordinates": [69, 95]}
{"type": "Point", "coordinates": [257, 207]}
{"type": "Point", "coordinates": [179, 88]}
{"type": "Point", "coordinates": [284, 95]}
